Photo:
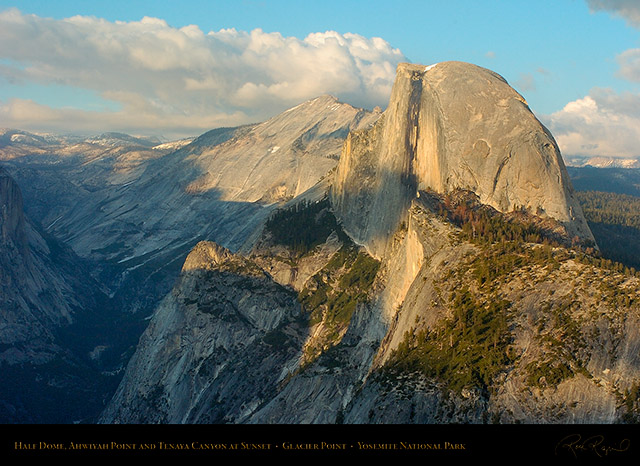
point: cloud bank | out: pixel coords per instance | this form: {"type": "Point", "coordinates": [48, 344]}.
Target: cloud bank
{"type": "Point", "coordinates": [603, 123]}
{"type": "Point", "coordinates": [181, 81]}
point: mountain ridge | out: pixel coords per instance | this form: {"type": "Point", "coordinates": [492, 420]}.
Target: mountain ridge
{"type": "Point", "coordinates": [335, 265]}
{"type": "Point", "coordinates": [143, 209]}
{"type": "Point", "coordinates": [411, 296]}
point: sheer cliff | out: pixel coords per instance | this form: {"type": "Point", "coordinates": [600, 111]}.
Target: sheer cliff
{"type": "Point", "coordinates": [450, 326]}
{"type": "Point", "coordinates": [443, 273]}
{"type": "Point", "coordinates": [50, 311]}
{"type": "Point", "coordinates": [32, 294]}
{"type": "Point", "coordinates": [448, 126]}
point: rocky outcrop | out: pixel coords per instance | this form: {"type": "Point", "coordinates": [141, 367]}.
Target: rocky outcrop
{"type": "Point", "coordinates": [216, 348]}
{"type": "Point", "coordinates": [438, 283]}
{"type": "Point", "coordinates": [451, 126]}
{"type": "Point", "coordinates": [565, 324]}
{"type": "Point", "coordinates": [452, 330]}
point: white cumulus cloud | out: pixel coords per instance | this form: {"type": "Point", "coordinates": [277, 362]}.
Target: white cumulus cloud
{"type": "Point", "coordinates": [182, 80]}
{"type": "Point", "coordinates": [602, 123]}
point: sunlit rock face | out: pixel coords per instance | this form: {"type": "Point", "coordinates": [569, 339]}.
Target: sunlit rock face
{"type": "Point", "coordinates": [449, 327]}
{"type": "Point", "coordinates": [448, 126]}
{"type": "Point", "coordinates": [136, 208]}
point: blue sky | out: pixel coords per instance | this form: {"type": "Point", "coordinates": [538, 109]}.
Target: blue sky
{"type": "Point", "coordinates": [577, 62]}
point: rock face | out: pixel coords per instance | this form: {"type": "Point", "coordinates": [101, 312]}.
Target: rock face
{"type": "Point", "coordinates": [210, 350]}
{"type": "Point", "coordinates": [469, 310]}
{"type": "Point", "coordinates": [430, 278]}
{"type": "Point", "coordinates": [133, 209]}
{"type": "Point", "coordinates": [143, 208]}
{"type": "Point", "coordinates": [225, 173]}
{"type": "Point", "coordinates": [46, 295]}
{"type": "Point", "coordinates": [448, 126]}
{"type": "Point", "coordinates": [541, 336]}
{"type": "Point", "coordinates": [31, 295]}
{"type": "Point", "coordinates": [13, 225]}
{"type": "Point", "coordinates": [516, 345]}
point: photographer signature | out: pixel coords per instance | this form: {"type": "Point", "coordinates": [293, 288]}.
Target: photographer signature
{"type": "Point", "coordinates": [595, 444]}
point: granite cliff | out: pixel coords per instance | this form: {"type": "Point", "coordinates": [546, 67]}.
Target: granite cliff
{"type": "Point", "coordinates": [33, 298]}
{"type": "Point", "coordinates": [51, 317]}
{"type": "Point", "coordinates": [96, 230]}
{"type": "Point", "coordinates": [443, 273]}
{"type": "Point", "coordinates": [451, 126]}
{"type": "Point", "coordinates": [136, 208]}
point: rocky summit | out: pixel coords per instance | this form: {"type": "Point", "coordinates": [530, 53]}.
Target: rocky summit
{"type": "Point", "coordinates": [444, 272]}
{"type": "Point", "coordinates": [451, 126]}
{"type": "Point", "coordinates": [95, 231]}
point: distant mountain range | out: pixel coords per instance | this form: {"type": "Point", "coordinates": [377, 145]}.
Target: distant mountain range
{"type": "Point", "coordinates": [602, 162]}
